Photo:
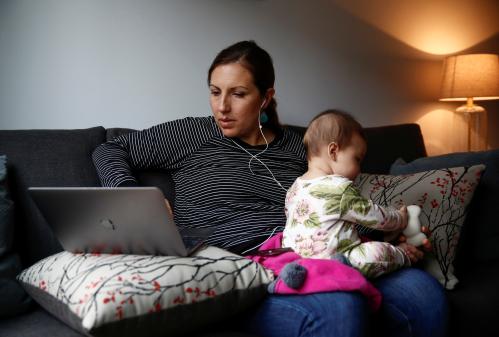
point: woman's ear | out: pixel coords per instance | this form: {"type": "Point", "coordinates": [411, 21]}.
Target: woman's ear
{"type": "Point", "coordinates": [267, 97]}
{"type": "Point", "coordinates": [332, 149]}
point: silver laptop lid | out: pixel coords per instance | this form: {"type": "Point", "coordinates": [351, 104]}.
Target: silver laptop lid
{"type": "Point", "coordinates": [126, 220]}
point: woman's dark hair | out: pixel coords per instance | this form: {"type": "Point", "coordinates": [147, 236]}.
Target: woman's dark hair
{"type": "Point", "coordinates": [260, 65]}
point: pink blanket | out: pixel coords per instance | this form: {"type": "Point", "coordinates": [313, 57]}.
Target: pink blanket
{"type": "Point", "coordinates": [322, 275]}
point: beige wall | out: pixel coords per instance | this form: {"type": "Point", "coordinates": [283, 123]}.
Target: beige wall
{"type": "Point", "coordinates": [413, 38]}
{"type": "Point", "coordinates": [81, 63]}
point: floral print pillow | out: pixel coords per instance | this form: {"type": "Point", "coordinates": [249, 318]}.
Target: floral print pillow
{"type": "Point", "coordinates": [141, 295]}
{"type": "Point", "coordinates": [443, 196]}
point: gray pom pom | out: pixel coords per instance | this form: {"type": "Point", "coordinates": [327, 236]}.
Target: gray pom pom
{"type": "Point", "coordinates": [293, 275]}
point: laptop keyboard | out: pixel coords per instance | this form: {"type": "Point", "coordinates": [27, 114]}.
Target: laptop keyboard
{"type": "Point", "coordinates": [194, 237]}
{"type": "Point", "coordinates": [191, 241]}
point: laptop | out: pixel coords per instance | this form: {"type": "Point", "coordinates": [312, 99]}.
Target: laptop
{"type": "Point", "coordinates": [122, 220]}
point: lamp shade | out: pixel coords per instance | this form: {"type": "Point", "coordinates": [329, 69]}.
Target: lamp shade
{"type": "Point", "coordinates": [470, 76]}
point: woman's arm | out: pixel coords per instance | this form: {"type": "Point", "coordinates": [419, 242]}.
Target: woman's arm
{"type": "Point", "coordinates": [162, 146]}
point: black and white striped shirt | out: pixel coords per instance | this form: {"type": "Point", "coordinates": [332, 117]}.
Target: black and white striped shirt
{"type": "Point", "coordinates": [213, 185]}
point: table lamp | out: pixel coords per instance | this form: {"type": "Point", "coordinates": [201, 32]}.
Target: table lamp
{"type": "Point", "coordinates": [468, 78]}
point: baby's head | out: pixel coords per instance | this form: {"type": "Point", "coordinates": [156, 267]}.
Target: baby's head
{"type": "Point", "coordinates": [335, 141]}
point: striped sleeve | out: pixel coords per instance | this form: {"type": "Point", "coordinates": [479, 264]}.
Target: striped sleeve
{"type": "Point", "coordinates": [163, 146]}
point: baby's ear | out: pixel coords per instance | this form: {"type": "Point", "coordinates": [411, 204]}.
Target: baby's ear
{"type": "Point", "coordinates": [332, 149]}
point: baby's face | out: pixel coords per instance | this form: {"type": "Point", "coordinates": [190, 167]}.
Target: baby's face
{"type": "Point", "coordinates": [349, 157]}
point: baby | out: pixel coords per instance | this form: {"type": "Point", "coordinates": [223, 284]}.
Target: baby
{"type": "Point", "coordinates": [325, 212]}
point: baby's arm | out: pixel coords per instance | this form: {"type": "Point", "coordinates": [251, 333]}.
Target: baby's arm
{"type": "Point", "coordinates": [357, 209]}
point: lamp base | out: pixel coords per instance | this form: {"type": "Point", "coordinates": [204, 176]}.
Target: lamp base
{"type": "Point", "coordinates": [476, 120]}
{"type": "Point", "coordinates": [470, 109]}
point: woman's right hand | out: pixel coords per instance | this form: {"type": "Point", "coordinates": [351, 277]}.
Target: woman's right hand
{"type": "Point", "coordinates": [412, 252]}
{"type": "Point", "coordinates": [169, 207]}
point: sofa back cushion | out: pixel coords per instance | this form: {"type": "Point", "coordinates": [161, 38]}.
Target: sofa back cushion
{"type": "Point", "coordinates": [45, 158]}
{"type": "Point", "coordinates": [385, 144]}
{"type": "Point", "coordinates": [13, 299]}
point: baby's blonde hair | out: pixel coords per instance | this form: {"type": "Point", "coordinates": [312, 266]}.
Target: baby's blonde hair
{"type": "Point", "coordinates": [330, 126]}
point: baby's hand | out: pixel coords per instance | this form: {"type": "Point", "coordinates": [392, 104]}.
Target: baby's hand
{"type": "Point", "coordinates": [405, 217]}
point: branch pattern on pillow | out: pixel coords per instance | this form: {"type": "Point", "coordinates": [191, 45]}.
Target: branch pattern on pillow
{"type": "Point", "coordinates": [443, 196]}
{"type": "Point", "coordinates": [94, 290]}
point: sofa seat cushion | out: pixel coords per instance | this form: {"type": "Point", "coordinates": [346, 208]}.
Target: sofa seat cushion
{"type": "Point", "coordinates": [474, 304]}
{"type": "Point", "coordinates": [443, 196]}
{"type": "Point", "coordinates": [36, 323]}
{"type": "Point", "coordinates": [40, 323]}
{"type": "Point", "coordinates": [130, 295]}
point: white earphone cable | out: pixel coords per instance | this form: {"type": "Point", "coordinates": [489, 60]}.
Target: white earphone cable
{"type": "Point", "coordinates": [260, 244]}
{"type": "Point", "coordinates": [255, 156]}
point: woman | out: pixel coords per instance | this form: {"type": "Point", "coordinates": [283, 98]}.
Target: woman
{"type": "Point", "coordinates": [231, 173]}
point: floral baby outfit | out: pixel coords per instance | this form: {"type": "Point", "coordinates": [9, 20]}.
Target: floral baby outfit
{"type": "Point", "coordinates": [322, 215]}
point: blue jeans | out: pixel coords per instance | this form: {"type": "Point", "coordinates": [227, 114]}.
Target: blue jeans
{"type": "Point", "coordinates": [414, 304]}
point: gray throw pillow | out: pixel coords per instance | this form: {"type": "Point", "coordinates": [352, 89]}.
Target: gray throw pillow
{"type": "Point", "coordinates": [13, 299]}
{"type": "Point", "coordinates": [479, 242]}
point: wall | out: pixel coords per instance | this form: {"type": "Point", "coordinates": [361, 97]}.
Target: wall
{"type": "Point", "coordinates": [76, 64]}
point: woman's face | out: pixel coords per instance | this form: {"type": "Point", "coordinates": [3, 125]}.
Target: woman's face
{"type": "Point", "coordinates": [236, 102]}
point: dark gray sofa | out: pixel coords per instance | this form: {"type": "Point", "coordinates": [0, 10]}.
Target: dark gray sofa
{"type": "Point", "coordinates": [63, 158]}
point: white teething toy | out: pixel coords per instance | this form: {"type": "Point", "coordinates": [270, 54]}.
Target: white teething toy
{"type": "Point", "coordinates": [412, 232]}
